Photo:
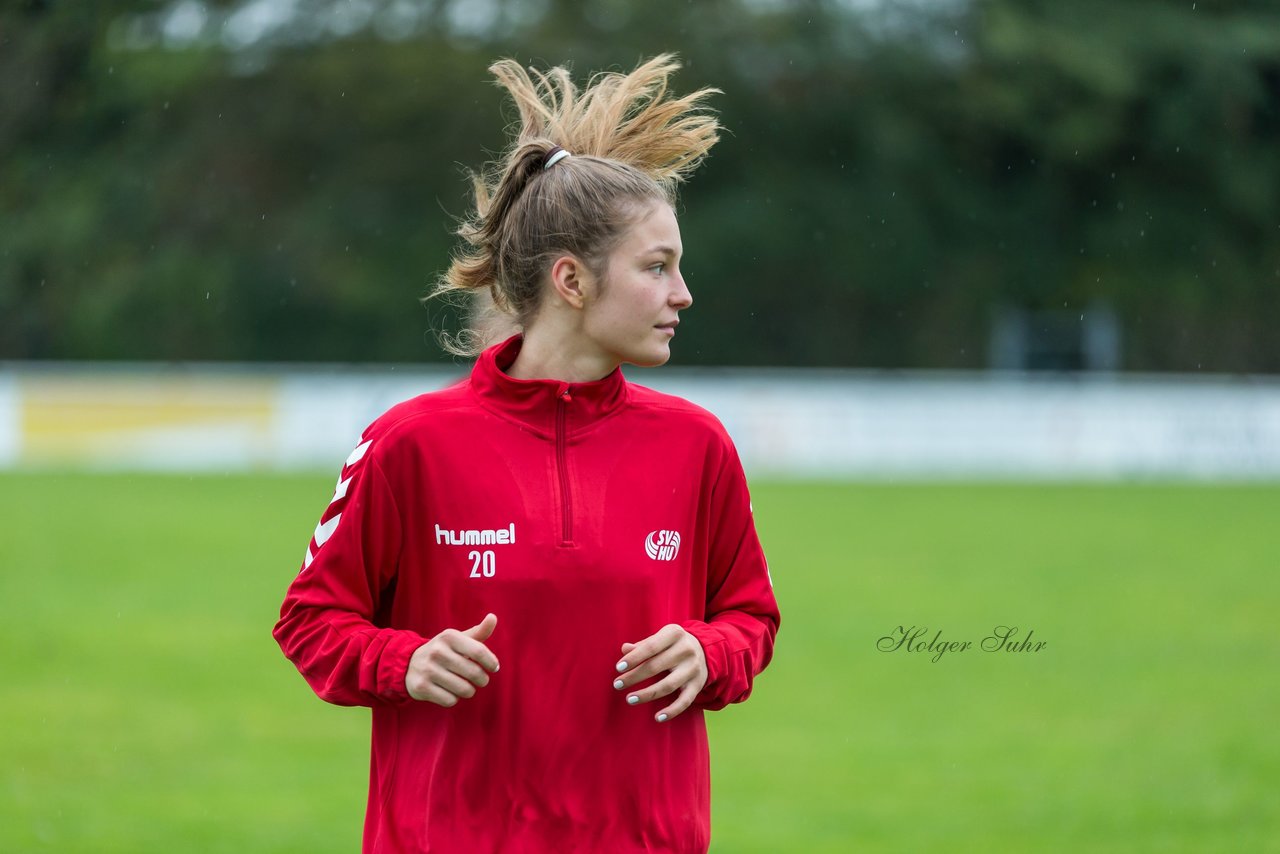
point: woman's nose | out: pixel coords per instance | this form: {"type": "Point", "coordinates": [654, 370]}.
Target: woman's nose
{"type": "Point", "coordinates": [680, 296]}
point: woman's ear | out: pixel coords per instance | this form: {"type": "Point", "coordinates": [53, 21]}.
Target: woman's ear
{"type": "Point", "coordinates": [569, 280]}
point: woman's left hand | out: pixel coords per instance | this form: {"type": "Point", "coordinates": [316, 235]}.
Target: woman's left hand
{"type": "Point", "coordinates": [670, 650]}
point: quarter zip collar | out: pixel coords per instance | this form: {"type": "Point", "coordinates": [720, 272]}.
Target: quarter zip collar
{"type": "Point", "coordinates": [537, 403]}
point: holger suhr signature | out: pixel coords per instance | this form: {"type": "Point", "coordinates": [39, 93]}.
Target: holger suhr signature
{"type": "Point", "coordinates": [1000, 640]}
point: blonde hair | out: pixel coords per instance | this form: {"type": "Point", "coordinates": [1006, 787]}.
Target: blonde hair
{"type": "Point", "coordinates": [630, 143]}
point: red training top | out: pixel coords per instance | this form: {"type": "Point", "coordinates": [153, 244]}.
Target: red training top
{"type": "Point", "coordinates": [584, 515]}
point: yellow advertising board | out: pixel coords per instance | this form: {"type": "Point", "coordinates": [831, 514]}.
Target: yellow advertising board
{"type": "Point", "coordinates": [105, 419]}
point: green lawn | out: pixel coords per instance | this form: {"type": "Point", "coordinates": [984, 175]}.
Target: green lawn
{"type": "Point", "coordinates": [144, 706]}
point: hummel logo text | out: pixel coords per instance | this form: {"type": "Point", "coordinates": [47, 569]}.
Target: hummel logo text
{"type": "Point", "coordinates": [500, 536]}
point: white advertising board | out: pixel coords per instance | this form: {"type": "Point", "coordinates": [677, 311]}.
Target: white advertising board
{"type": "Point", "coordinates": [786, 423]}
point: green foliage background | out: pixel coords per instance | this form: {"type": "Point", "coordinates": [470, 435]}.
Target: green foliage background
{"type": "Point", "coordinates": [890, 176]}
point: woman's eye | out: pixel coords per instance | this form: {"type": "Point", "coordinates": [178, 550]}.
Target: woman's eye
{"type": "Point", "coordinates": [658, 268]}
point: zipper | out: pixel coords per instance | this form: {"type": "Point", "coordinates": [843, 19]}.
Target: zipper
{"type": "Point", "coordinates": [566, 499]}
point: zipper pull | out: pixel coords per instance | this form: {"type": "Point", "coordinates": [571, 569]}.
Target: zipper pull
{"type": "Point", "coordinates": [563, 393]}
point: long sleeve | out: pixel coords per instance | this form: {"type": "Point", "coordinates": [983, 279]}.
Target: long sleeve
{"type": "Point", "coordinates": [327, 625]}
{"type": "Point", "coordinates": [742, 616]}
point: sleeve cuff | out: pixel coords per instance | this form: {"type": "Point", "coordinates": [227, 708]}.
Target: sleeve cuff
{"type": "Point", "coordinates": [393, 664]}
{"type": "Point", "coordinates": [713, 650]}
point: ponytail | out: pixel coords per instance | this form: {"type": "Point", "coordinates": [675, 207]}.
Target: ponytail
{"type": "Point", "coordinates": [629, 144]}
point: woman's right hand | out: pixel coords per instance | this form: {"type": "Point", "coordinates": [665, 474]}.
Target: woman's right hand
{"type": "Point", "coordinates": [452, 665]}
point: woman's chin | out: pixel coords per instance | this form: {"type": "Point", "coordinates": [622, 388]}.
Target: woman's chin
{"type": "Point", "coordinates": [650, 357]}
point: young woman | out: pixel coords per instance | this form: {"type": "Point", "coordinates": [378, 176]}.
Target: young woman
{"type": "Point", "coordinates": [540, 578]}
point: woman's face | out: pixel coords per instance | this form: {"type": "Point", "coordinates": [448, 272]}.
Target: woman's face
{"type": "Point", "coordinates": [633, 314]}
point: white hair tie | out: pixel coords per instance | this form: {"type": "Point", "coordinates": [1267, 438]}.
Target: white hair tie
{"type": "Point", "coordinates": [557, 154]}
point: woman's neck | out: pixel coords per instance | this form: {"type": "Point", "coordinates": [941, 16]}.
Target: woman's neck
{"type": "Point", "coordinates": [544, 357]}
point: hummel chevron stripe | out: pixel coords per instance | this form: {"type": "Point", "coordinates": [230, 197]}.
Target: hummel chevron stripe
{"type": "Point", "coordinates": [325, 530]}
{"type": "Point", "coordinates": [358, 452]}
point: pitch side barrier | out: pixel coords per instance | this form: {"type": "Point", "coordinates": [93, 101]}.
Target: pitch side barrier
{"type": "Point", "coordinates": [786, 422]}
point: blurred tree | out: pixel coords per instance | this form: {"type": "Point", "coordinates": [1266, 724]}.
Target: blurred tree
{"type": "Point", "coordinates": [260, 180]}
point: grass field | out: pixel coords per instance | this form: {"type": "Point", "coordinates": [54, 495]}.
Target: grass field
{"type": "Point", "coordinates": [144, 706]}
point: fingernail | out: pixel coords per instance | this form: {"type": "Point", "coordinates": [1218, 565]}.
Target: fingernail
{"type": "Point", "coordinates": [617, 683]}
{"type": "Point", "coordinates": [633, 699]}
{"type": "Point", "coordinates": [661, 718]}
{"type": "Point", "coordinates": [497, 667]}
{"type": "Point", "coordinates": [622, 665]}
